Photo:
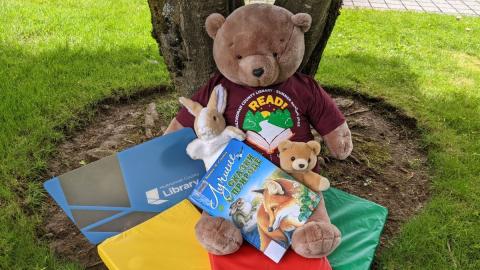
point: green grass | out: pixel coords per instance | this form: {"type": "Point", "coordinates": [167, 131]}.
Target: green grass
{"type": "Point", "coordinates": [57, 58]}
{"type": "Point", "coordinates": [428, 65]}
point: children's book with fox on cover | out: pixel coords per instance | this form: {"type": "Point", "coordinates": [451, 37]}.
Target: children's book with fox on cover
{"type": "Point", "coordinates": [263, 201]}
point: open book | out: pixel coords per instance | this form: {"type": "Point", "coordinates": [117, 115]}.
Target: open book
{"type": "Point", "coordinates": [268, 138]}
{"type": "Point", "coordinates": [263, 201]}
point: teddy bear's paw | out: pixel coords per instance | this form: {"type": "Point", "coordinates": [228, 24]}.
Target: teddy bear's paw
{"type": "Point", "coordinates": [316, 239]}
{"type": "Point", "coordinates": [339, 142]}
{"type": "Point", "coordinates": [324, 184]}
{"type": "Point", "coordinates": [217, 235]}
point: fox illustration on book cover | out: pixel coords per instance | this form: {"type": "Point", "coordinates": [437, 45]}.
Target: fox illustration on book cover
{"type": "Point", "coordinates": [279, 212]}
{"type": "Point", "coordinates": [272, 212]}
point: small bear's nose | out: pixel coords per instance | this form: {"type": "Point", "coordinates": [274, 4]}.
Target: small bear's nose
{"type": "Point", "coordinates": [258, 72]}
{"type": "Point", "coordinates": [301, 165]}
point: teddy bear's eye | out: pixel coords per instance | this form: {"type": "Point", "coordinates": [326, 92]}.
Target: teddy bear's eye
{"type": "Point", "coordinates": [309, 160]}
{"type": "Point", "coordinates": [214, 118]}
{"type": "Point", "coordinates": [239, 57]}
{"type": "Point", "coordinates": [275, 54]}
{"type": "Point", "coordinates": [292, 158]}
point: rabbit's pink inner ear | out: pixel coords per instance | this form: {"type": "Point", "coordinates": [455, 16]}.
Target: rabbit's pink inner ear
{"type": "Point", "coordinates": [218, 99]}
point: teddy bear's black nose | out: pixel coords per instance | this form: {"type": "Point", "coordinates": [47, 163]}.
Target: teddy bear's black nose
{"type": "Point", "coordinates": [301, 165]}
{"type": "Point", "coordinates": [258, 72]}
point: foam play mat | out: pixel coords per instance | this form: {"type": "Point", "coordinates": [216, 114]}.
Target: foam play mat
{"type": "Point", "coordinates": [164, 241]}
{"type": "Point", "coordinates": [167, 241]}
{"type": "Point", "coordinates": [116, 193]}
{"type": "Point", "coordinates": [361, 223]}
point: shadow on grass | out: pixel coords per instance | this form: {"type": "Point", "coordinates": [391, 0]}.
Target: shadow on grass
{"type": "Point", "coordinates": [41, 90]}
{"type": "Point", "coordinates": [358, 70]}
{"type": "Point", "coordinates": [450, 130]}
{"type": "Point", "coordinates": [42, 95]}
{"type": "Point", "coordinates": [394, 80]}
{"type": "Point", "coordinates": [360, 75]}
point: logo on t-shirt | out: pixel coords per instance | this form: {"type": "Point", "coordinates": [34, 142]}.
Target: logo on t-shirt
{"type": "Point", "coordinates": [268, 119]}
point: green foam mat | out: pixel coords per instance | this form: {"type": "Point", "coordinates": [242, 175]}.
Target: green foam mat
{"type": "Point", "coordinates": [361, 223]}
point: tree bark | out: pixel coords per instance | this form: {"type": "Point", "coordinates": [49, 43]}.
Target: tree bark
{"type": "Point", "coordinates": [178, 28]}
{"type": "Point", "coordinates": [324, 15]}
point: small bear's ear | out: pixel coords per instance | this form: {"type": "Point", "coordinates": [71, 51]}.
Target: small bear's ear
{"type": "Point", "coordinates": [315, 146]}
{"type": "Point", "coordinates": [284, 145]}
{"type": "Point", "coordinates": [302, 20]}
{"type": "Point", "coordinates": [213, 23]}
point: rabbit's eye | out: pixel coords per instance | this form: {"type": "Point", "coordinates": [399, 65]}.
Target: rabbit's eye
{"type": "Point", "coordinates": [275, 54]}
{"type": "Point", "coordinates": [239, 57]}
{"type": "Point", "coordinates": [292, 158]}
{"type": "Point", "coordinates": [214, 118]}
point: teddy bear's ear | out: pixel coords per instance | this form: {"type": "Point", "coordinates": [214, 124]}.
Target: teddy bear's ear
{"type": "Point", "coordinates": [315, 146]}
{"type": "Point", "coordinates": [302, 20]}
{"type": "Point", "coordinates": [284, 145]}
{"type": "Point", "coordinates": [213, 23]}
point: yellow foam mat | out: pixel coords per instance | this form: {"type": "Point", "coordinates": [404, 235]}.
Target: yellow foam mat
{"type": "Point", "coordinates": [167, 241]}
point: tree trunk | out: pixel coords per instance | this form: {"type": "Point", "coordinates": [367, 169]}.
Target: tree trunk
{"type": "Point", "coordinates": [324, 15]}
{"type": "Point", "coordinates": [178, 28]}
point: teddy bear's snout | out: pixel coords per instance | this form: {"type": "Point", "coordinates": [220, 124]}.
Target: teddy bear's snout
{"type": "Point", "coordinates": [300, 164]}
{"type": "Point", "coordinates": [258, 70]}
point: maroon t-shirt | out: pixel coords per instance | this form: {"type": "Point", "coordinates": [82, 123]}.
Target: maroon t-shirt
{"type": "Point", "coordinates": [269, 115]}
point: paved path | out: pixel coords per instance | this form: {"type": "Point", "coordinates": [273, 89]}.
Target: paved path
{"type": "Point", "coordinates": [455, 7]}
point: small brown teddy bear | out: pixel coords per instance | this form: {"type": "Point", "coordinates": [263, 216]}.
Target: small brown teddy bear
{"type": "Point", "coordinates": [299, 159]}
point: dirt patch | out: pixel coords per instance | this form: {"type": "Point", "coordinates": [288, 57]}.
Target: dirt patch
{"type": "Point", "coordinates": [387, 166]}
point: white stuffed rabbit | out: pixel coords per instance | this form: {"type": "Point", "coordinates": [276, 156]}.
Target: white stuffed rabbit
{"type": "Point", "coordinates": [213, 135]}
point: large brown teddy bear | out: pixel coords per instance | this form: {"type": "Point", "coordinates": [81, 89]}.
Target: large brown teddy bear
{"type": "Point", "coordinates": [257, 50]}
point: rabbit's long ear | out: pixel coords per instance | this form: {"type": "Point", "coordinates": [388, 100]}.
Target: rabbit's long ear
{"type": "Point", "coordinates": [193, 107]}
{"type": "Point", "coordinates": [218, 99]}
